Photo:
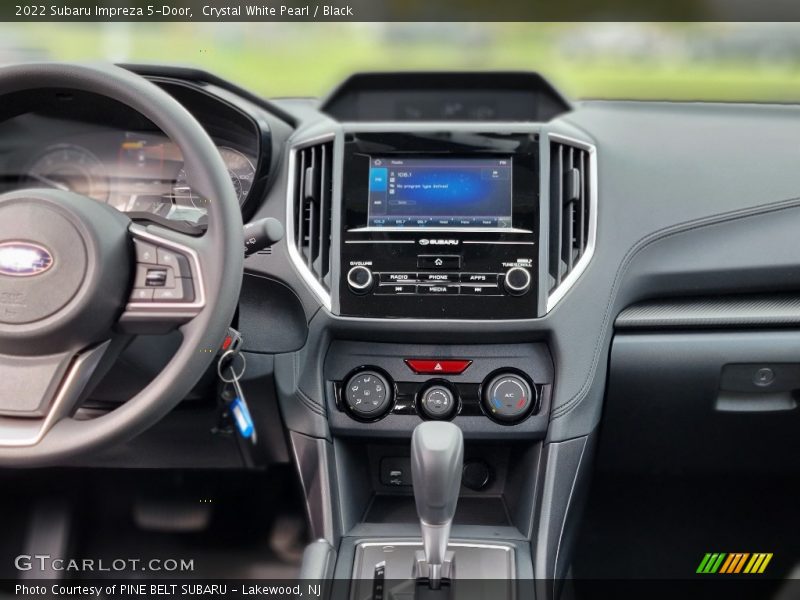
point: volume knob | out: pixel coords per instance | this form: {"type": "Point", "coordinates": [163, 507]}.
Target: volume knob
{"type": "Point", "coordinates": [517, 281]}
{"type": "Point", "coordinates": [360, 280]}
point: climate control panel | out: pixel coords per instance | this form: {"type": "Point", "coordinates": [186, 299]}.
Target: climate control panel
{"type": "Point", "coordinates": [506, 396]}
{"type": "Point", "coordinates": [380, 389]}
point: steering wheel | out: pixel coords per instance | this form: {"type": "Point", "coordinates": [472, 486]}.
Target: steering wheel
{"type": "Point", "coordinates": [76, 276]}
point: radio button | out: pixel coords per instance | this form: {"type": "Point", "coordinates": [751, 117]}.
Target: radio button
{"type": "Point", "coordinates": [430, 261]}
{"type": "Point", "coordinates": [437, 290]}
{"type": "Point", "coordinates": [396, 289]}
{"type": "Point", "coordinates": [438, 277]}
{"type": "Point", "coordinates": [480, 290]}
{"type": "Point", "coordinates": [479, 278]}
{"type": "Point", "coordinates": [397, 277]}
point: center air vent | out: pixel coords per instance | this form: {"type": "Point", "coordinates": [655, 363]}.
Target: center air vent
{"type": "Point", "coordinates": [572, 213]}
{"type": "Point", "coordinates": [312, 195]}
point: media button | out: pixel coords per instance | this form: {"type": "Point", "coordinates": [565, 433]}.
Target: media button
{"type": "Point", "coordinates": [438, 262]}
{"type": "Point", "coordinates": [479, 278]}
{"type": "Point", "coordinates": [437, 290]}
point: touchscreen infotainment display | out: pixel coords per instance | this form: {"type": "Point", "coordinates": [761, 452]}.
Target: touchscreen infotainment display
{"type": "Point", "coordinates": [407, 191]}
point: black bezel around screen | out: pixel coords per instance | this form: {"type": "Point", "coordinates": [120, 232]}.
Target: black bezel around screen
{"type": "Point", "coordinates": [360, 148]}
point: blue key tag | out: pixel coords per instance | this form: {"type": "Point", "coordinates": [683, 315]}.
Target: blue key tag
{"type": "Point", "coordinates": [241, 414]}
{"type": "Point", "coordinates": [242, 418]}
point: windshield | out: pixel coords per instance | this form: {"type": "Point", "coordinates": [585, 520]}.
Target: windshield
{"type": "Point", "coordinates": [757, 62]}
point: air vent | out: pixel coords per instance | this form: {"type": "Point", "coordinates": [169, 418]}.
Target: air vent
{"type": "Point", "coordinates": [311, 205]}
{"type": "Point", "coordinates": [572, 218]}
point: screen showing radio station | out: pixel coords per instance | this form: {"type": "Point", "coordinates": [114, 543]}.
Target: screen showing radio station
{"type": "Point", "coordinates": [439, 192]}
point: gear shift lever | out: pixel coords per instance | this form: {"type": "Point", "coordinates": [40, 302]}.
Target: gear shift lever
{"type": "Point", "coordinates": [437, 456]}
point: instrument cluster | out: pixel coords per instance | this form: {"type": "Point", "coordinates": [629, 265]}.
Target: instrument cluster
{"type": "Point", "coordinates": [135, 172]}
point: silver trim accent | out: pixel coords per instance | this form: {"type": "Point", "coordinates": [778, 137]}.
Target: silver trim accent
{"type": "Point", "coordinates": [561, 290]}
{"type": "Point", "coordinates": [498, 243]}
{"type": "Point", "coordinates": [364, 573]}
{"type": "Point", "coordinates": [148, 310]}
{"type": "Point", "coordinates": [440, 229]}
{"type": "Point", "coordinates": [18, 432]}
{"type": "Point", "coordinates": [513, 288]}
{"type": "Point", "coordinates": [305, 273]}
{"type": "Point", "coordinates": [356, 286]}
{"type": "Point", "coordinates": [379, 242]}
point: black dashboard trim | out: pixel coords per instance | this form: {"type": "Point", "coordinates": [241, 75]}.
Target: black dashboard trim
{"type": "Point", "coordinates": [199, 76]}
{"type": "Point", "coordinates": [720, 312]}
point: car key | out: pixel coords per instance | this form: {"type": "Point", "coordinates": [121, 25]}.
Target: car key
{"type": "Point", "coordinates": [233, 395]}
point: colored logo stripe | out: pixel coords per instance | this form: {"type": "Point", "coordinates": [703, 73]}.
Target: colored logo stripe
{"type": "Point", "coordinates": [758, 563]}
{"type": "Point", "coordinates": [734, 562]}
{"type": "Point", "coordinates": [711, 562]}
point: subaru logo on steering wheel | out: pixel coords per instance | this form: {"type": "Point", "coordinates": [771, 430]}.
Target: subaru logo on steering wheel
{"type": "Point", "coordinates": [23, 259]}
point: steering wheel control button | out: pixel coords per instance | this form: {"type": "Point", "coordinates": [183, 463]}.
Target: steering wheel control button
{"type": "Point", "coordinates": [360, 280]}
{"type": "Point", "coordinates": [368, 395]}
{"type": "Point", "coordinates": [175, 261]}
{"type": "Point", "coordinates": [156, 278]}
{"type": "Point", "coordinates": [145, 253]}
{"type": "Point", "coordinates": [181, 291]}
{"type": "Point", "coordinates": [431, 261]}
{"type": "Point", "coordinates": [437, 402]}
{"type": "Point", "coordinates": [508, 398]}
{"type": "Point", "coordinates": [142, 295]}
{"type": "Point", "coordinates": [517, 281]}
{"type": "Point", "coordinates": [430, 366]}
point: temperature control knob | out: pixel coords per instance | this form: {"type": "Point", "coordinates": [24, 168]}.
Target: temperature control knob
{"type": "Point", "coordinates": [368, 395]}
{"type": "Point", "coordinates": [437, 402]}
{"type": "Point", "coordinates": [508, 397]}
{"type": "Point", "coordinates": [360, 280]}
{"type": "Point", "coordinates": [517, 281]}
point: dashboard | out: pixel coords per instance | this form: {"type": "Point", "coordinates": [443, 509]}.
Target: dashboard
{"type": "Point", "coordinates": [478, 249]}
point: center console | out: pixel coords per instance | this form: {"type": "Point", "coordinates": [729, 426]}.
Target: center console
{"type": "Point", "coordinates": [440, 225]}
{"type": "Point", "coordinates": [435, 232]}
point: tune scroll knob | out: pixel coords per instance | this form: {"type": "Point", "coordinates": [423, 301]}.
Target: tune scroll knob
{"type": "Point", "coordinates": [517, 281]}
{"type": "Point", "coordinates": [360, 280]}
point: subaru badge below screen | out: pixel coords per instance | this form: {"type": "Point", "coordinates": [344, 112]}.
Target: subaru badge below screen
{"type": "Point", "coordinates": [440, 192]}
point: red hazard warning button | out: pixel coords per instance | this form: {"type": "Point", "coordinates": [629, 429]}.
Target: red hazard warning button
{"type": "Point", "coordinates": [430, 366]}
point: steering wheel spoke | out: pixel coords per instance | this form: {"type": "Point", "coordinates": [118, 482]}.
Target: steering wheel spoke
{"type": "Point", "coordinates": [42, 390]}
{"type": "Point", "coordinates": [168, 288]}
